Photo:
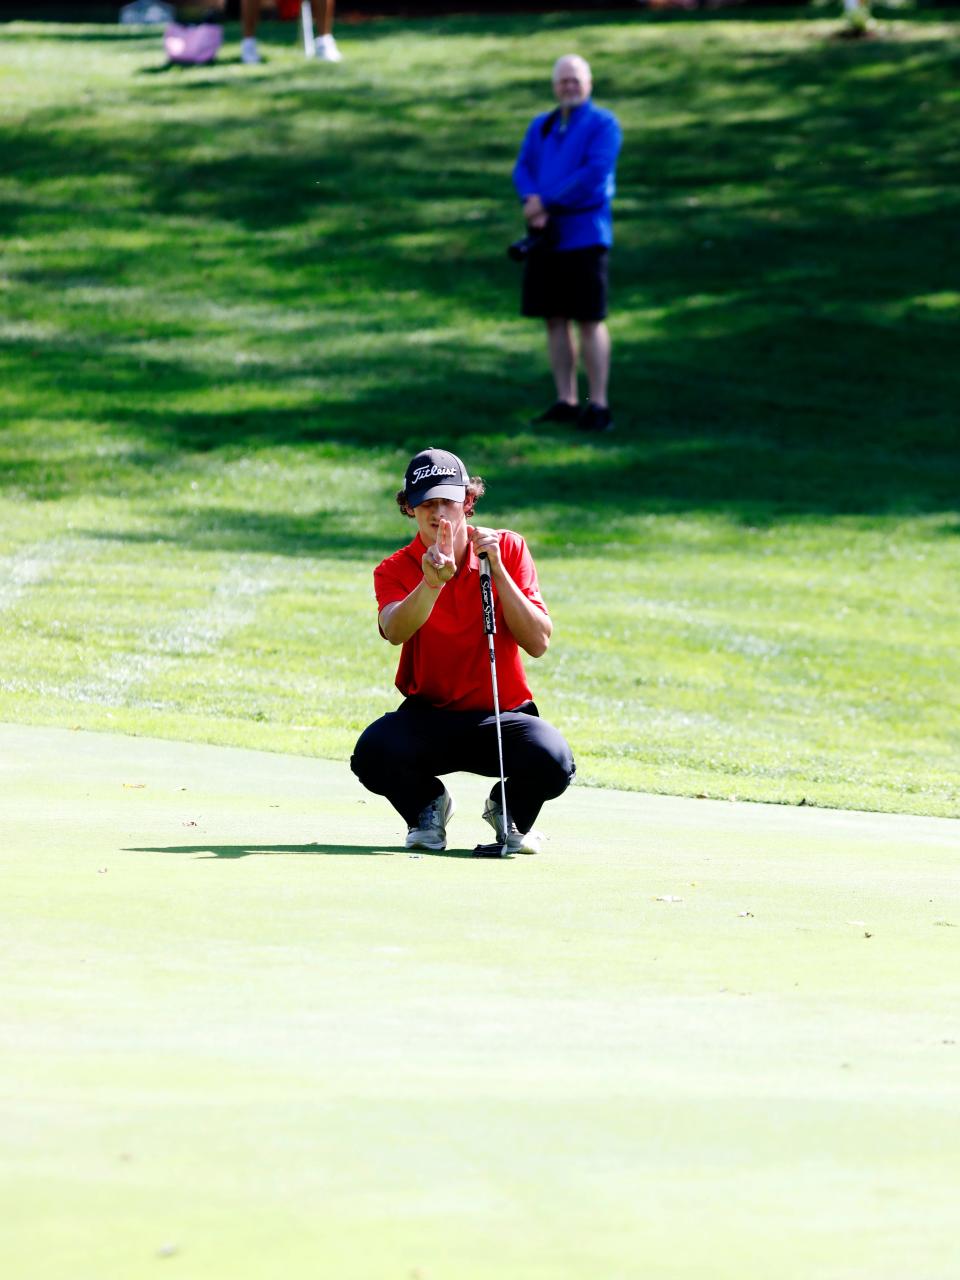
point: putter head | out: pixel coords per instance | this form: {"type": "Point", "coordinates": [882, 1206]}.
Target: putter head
{"type": "Point", "coordinates": [493, 850]}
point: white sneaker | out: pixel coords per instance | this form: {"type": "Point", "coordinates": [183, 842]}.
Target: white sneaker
{"type": "Point", "coordinates": [249, 53]}
{"type": "Point", "coordinates": [431, 829]}
{"type": "Point", "coordinates": [325, 48]}
{"type": "Point", "coordinates": [517, 841]}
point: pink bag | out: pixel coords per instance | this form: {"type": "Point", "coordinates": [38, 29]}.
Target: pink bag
{"type": "Point", "coordinates": [194, 44]}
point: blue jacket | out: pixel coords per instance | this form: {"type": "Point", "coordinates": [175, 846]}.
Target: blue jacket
{"type": "Point", "coordinates": [571, 168]}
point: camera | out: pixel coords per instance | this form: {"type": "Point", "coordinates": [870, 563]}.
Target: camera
{"type": "Point", "coordinates": [530, 243]}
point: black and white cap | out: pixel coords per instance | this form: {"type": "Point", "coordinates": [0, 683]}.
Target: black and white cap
{"type": "Point", "coordinates": [434, 473]}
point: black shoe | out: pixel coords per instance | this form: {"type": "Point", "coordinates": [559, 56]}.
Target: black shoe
{"type": "Point", "coordinates": [595, 417]}
{"type": "Point", "coordinates": [559, 411]}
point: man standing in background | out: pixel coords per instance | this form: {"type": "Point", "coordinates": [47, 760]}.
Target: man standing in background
{"type": "Point", "coordinates": [324, 45]}
{"type": "Point", "coordinates": [565, 177]}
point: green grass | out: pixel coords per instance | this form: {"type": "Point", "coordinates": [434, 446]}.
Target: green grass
{"type": "Point", "coordinates": [235, 300]}
{"type": "Point", "coordinates": [246, 1035]}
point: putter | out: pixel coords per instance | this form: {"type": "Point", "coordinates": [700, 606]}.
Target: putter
{"type": "Point", "coordinates": [497, 849]}
{"type": "Point", "coordinates": [306, 23]}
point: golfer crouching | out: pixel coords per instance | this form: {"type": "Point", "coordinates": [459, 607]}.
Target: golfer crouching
{"type": "Point", "coordinates": [429, 601]}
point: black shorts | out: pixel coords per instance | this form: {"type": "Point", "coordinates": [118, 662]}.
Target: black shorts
{"type": "Point", "coordinates": [571, 283]}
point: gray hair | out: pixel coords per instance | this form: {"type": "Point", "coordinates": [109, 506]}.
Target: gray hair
{"type": "Point", "coordinates": [582, 65]}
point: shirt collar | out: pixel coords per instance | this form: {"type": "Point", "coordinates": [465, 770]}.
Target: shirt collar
{"type": "Point", "coordinates": [574, 112]}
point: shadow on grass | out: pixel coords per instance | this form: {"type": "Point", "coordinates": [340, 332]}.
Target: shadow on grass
{"type": "Point", "coordinates": [74, 34]}
{"type": "Point", "coordinates": [229, 851]}
{"type": "Point", "coordinates": [780, 314]}
{"type": "Point", "coordinates": [237, 529]}
{"type": "Point", "coordinates": [811, 415]}
{"type": "Point", "coordinates": [189, 71]}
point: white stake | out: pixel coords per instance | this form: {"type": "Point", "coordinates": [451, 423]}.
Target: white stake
{"type": "Point", "coordinates": [306, 22]}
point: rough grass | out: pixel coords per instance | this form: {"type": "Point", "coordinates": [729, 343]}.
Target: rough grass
{"type": "Point", "coordinates": [235, 300]}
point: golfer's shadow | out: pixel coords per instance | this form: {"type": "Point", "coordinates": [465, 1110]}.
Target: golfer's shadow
{"type": "Point", "coordinates": [252, 850]}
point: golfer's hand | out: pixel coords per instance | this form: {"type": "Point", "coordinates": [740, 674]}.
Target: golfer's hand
{"type": "Point", "coordinates": [486, 541]}
{"type": "Point", "coordinates": [438, 561]}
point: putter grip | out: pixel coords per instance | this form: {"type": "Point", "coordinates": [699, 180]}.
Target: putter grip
{"type": "Point", "coordinates": [486, 596]}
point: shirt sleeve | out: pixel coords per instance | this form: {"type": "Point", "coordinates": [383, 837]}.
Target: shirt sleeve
{"type": "Point", "coordinates": [524, 171]}
{"type": "Point", "coordinates": [391, 583]}
{"type": "Point", "coordinates": [519, 564]}
{"type": "Point", "coordinates": [592, 182]}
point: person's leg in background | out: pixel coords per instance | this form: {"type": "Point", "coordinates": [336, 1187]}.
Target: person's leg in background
{"type": "Point", "coordinates": [249, 21]}
{"type": "Point", "coordinates": [595, 345]}
{"type": "Point", "coordinates": [592, 268]}
{"type": "Point", "coordinates": [562, 350]}
{"type": "Point", "coordinates": [324, 45]}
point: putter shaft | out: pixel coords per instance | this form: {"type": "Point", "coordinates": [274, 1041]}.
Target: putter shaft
{"type": "Point", "coordinates": [490, 627]}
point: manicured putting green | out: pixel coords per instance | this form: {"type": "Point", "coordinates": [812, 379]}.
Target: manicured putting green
{"type": "Point", "coordinates": [247, 1035]}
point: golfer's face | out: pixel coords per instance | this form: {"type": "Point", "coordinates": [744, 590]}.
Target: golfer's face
{"type": "Point", "coordinates": [571, 85]}
{"type": "Point", "coordinates": [430, 513]}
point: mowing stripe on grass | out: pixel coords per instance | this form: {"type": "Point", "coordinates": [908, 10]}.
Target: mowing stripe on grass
{"type": "Point", "coordinates": [190, 632]}
{"type": "Point", "coordinates": [30, 566]}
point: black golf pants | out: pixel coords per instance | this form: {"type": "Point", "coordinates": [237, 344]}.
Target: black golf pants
{"type": "Point", "coordinates": [401, 755]}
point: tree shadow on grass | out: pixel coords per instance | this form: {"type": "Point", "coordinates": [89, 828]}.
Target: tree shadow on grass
{"type": "Point", "coordinates": [779, 307]}
{"type": "Point", "coordinates": [73, 33]}
{"type": "Point", "coordinates": [236, 529]}
{"type": "Point", "coordinates": [752, 448]}
{"type": "Point", "coordinates": [250, 850]}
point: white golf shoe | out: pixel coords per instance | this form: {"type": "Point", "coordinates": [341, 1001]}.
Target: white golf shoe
{"type": "Point", "coordinates": [249, 53]}
{"type": "Point", "coordinates": [325, 48]}
{"type": "Point", "coordinates": [431, 829]}
{"type": "Point", "coordinates": [517, 841]}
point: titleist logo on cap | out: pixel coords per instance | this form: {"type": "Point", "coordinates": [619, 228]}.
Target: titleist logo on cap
{"type": "Point", "coordinates": [435, 473]}
{"type": "Point", "coordinates": [426, 473]}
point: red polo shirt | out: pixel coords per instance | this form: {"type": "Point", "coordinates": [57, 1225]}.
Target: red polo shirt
{"type": "Point", "coordinates": [447, 661]}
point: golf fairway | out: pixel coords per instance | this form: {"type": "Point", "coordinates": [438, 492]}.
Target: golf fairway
{"type": "Point", "coordinates": [247, 1035]}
